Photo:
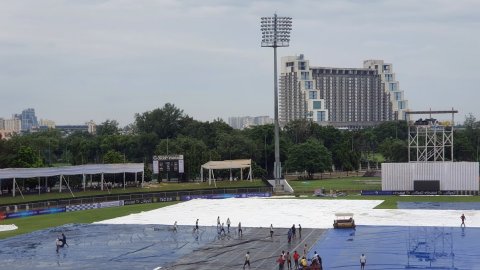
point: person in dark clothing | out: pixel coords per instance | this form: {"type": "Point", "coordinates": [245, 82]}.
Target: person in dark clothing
{"type": "Point", "coordinates": [293, 231]}
{"type": "Point", "coordinates": [300, 230]}
{"type": "Point", "coordinates": [64, 240]}
{"type": "Point", "coordinates": [462, 217]}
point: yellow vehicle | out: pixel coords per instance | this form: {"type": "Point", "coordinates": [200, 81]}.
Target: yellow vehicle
{"type": "Point", "coordinates": [343, 220]}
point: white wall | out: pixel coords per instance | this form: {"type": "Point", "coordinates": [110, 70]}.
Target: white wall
{"type": "Point", "coordinates": [452, 175]}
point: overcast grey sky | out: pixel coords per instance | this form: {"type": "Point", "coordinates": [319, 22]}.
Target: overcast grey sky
{"type": "Point", "coordinates": [76, 60]}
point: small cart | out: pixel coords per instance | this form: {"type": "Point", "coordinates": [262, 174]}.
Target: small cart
{"type": "Point", "coordinates": [343, 220]}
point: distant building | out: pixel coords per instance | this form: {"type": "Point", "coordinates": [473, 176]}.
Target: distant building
{"type": "Point", "coordinates": [47, 123]}
{"type": "Point", "coordinates": [91, 127]}
{"type": "Point", "coordinates": [391, 85]}
{"type": "Point", "coordinates": [248, 121]}
{"type": "Point", "coordinates": [28, 118]}
{"type": "Point", "coordinates": [9, 127]}
{"type": "Point", "coordinates": [343, 97]}
{"type": "Point", "coordinates": [13, 125]}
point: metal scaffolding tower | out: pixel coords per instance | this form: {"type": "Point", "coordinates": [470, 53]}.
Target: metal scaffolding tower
{"type": "Point", "coordinates": [430, 248]}
{"type": "Point", "coordinates": [428, 139]}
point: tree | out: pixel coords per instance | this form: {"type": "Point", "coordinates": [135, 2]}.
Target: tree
{"type": "Point", "coordinates": [394, 150]}
{"type": "Point", "coordinates": [27, 158]}
{"type": "Point", "coordinates": [113, 156]}
{"type": "Point", "coordinates": [164, 122]}
{"type": "Point", "coordinates": [310, 156]}
{"type": "Point", "coordinates": [109, 127]}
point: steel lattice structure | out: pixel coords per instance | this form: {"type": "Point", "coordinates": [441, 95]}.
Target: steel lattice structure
{"type": "Point", "coordinates": [430, 140]}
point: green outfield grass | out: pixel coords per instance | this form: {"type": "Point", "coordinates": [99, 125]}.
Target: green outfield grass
{"type": "Point", "coordinates": [30, 224]}
{"type": "Point", "coordinates": [349, 184]}
{"type": "Point", "coordinates": [354, 185]}
{"type": "Point", "coordinates": [150, 188]}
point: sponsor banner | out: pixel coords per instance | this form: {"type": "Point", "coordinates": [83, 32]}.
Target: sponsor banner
{"type": "Point", "coordinates": [109, 204]}
{"type": "Point", "coordinates": [166, 199]}
{"type": "Point", "coordinates": [225, 196]}
{"type": "Point", "coordinates": [22, 214]}
{"type": "Point", "coordinates": [79, 207]}
{"type": "Point", "coordinates": [403, 192]}
{"type": "Point", "coordinates": [376, 192]}
{"type": "Point", "coordinates": [137, 201]}
{"type": "Point", "coordinates": [30, 213]}
{"type": "Point", "coordinates": [51, 210]}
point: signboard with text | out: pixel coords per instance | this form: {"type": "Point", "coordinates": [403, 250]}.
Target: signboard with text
{"type": "Point", "coordinates": [168, 167]}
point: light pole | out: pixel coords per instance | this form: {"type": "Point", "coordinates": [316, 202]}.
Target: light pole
{"type": "Point", "coordinates": [276, 33]}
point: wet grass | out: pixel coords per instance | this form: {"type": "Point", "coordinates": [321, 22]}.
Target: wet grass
{"type": "Point", "coordinates": [30, 224]}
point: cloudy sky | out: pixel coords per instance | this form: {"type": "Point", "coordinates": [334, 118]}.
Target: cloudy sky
{"type": "Point", "coordinates": [76, 60]}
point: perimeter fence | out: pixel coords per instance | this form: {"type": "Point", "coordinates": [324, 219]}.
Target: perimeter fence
{"type": "Point", "coordinates": [144, 197]}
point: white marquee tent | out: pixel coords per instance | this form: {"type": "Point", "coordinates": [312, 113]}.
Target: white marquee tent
{"type": "Point", "coordinates": [91, 169]}
{"type": "Point", "coordinates": [227, 164]}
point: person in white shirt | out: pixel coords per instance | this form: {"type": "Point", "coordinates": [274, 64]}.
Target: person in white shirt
{"type": "Point", "coordinates": [363, 261]}
{"type": "Point", "coordinates": [175, 226]}
{"type": "Point", "coordinates": [247, 260]}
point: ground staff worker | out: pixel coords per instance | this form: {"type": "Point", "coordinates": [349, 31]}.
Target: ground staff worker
{"type": "Point", "coordinates": [247, 260]}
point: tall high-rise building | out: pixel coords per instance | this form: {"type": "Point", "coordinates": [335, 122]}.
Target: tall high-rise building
{"type": "Point", "coordinates": [342, 97]}
{"type": "Point", "coordinates": [28, 118]}
{"type": "Point", "coordinates": [391, 85]}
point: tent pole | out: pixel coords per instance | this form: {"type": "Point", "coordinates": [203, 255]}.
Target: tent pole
{"type": "Point", "coordinates": [201, 174]}
{"type": "Point", "coordinates": [13, 188]}
{"type": "Point", "coordinates": [68, 186]}
{"type": "Point", "coordinates": [60, 190]}
{"type": "Point", "coordinates": [209, 177]}
{"type": "Point", "coordinates": [101, 182]}
{"type": "Point", "coordinates": [250, 173]}
{"type": "Point", "coordinates": [123, 180]}
{"type": "Point", "coordinates": [90, 181]}
{"type": "Point", "coordinates": [38, 186]}
{"type": "Point", "coordinates": [241, 173]}
{"type": "Point", "coordinates": [84, 182]}
{"type": "Point", "coordinates": [19, 190]}
{"type": "Point", "coordinates": [143, 178]}
{"type": "Point", "coordinates": [136, 179]}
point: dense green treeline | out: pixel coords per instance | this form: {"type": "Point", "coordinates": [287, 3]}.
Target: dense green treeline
{"type": "Point", "coordinates": [304, 146]}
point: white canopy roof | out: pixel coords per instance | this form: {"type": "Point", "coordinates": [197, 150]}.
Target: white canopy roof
{"type": "Point", "coordinates": [71, 170]}
{"type": "Point", "coordinates": [228, 164]}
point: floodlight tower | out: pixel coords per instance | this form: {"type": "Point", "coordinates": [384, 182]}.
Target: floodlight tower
{"type": "Point", "coordinates": [276, 33]}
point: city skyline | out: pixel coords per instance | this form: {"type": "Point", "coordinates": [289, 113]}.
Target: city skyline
{"type": "Point", "coordinates": [74, 61]}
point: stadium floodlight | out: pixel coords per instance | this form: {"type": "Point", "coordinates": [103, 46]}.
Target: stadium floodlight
{"type": "Point", "coordinates": [276, 33]}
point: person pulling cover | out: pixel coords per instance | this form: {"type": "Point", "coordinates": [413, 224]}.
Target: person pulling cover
{"type": "Point", "coordinates": [61, 242]}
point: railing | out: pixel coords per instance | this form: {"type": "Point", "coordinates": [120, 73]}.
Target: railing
{"type": "Point", "coordinates": [134, 196]}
